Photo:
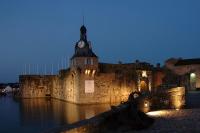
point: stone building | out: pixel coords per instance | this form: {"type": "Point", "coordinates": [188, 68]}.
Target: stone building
{"type": "Point", "coordinates": [188, 71]}
{"type": "Point", "coordinates": [89, 81]}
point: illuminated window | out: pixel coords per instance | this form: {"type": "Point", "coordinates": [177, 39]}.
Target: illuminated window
{"type": "Point", "coordinates": [144, 73]}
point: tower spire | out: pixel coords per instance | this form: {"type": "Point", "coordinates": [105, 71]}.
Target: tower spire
{"type": "Point", "coordinates": [83, 33]}
{"type": "Point", "coordinates": [83, 19]}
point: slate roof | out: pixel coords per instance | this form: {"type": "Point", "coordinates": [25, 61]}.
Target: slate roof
{"type": "Point", "coordinates": [193, 61]}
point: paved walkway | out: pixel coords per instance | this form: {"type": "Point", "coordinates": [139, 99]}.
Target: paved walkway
{"type": "Point", "coordinates": [193, 99]}
{"type": "Point", "coordinates": [173, 121]}
{"type": "Point", "coordinates": [178, 121]}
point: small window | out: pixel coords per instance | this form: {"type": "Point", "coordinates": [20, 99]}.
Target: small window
{"type": "Point", "coordinates": [92, 63]}
{"type": "Point", "coordinates": [86, 61]}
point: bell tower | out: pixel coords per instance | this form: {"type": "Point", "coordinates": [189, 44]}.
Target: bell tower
{"type": "Point", "coordinates": [84, 59]}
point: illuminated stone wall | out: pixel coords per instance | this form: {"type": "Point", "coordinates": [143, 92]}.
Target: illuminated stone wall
{"type": "Point", "coordinates": [35, 86]}
{"type": "Point", "coordinates": [107, 89]}
{"type": "Point", "coordinates": [171, 98]}
{"type": "Point", "coordinates": [177, 97]}
{"type": "Point", "coordinates": [65, 86]}
{"type": "Point", "coordinates": [70, 86]}
{"type": "Point", "coordinates": [112, 84]}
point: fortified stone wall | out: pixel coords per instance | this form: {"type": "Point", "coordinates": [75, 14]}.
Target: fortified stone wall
{"type": "Point", "coordinates": [112, 84]}
{"type": "Point", "coordinates": [35, 86]}
{"type": "Point", "coordinates": [107, 89]}
{"type": "Point", "coordinates": [65, 86]}
{"type": "Point", "coordinates": [70, 86]}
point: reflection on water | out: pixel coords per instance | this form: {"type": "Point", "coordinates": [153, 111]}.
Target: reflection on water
{"type": "Point", "coordinates": [36, 115]}
{"type": "Point", "coordinates": [34, 110]}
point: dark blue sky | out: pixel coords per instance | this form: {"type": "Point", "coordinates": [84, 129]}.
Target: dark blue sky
{"type": "Point", "coordinates": [45, 31]}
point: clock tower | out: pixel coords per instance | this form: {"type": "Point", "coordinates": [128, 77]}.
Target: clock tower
{"type": "Point", "coordinates": [84, 59]}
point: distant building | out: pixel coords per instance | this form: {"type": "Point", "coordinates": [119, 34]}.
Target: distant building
{"type": "Point", "coordinates": [88, 81]}
{"type": "Point", "coordinates": [188, 69]}
{"type": "Point", "coordinates": [2, 87]}
{"type": "Point", "coordinates": [8, 89]}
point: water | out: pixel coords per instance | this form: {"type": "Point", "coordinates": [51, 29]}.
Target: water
{"type": "Point", "coordinates": [39, 115]}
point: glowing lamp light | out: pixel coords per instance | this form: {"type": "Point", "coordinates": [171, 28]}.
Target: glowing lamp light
{"type": "Point", "coordinates": [192, 75]}
{"type": "Point", "coordinates": [160, 113]}
{"type": "Point", "coordinates": [86, 71]}
{"type": "Point", "coordinates": [156, 113]}
{"type": "Point", "coordinates": [146, 104]}
{"type": "Point", "coordinates": [93, 72]}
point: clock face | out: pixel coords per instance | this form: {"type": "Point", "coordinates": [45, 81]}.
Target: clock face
{"type": "Point", "coordinates": [81, 44]}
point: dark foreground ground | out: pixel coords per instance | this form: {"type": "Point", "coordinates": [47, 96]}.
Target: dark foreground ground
{"type": "Point", "coordinates": [177, 121]}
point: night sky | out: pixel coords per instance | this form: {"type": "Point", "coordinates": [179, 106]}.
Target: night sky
{"type": "Point", "coordinates": [45, 31]}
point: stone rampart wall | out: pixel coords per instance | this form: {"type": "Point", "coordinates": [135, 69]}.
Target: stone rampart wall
{"type": "Point", "coordinates": [35, 86]}
{"type": "Point", "coordinates": [64, 87]}
{"type": "Point", "coordinates": [106, 90]}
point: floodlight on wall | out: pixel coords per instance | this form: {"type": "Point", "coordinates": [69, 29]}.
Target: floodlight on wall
{"type": "Point", "coordinates": [93, 72]}
{"type": "Point", "coordinates": [86, 71]}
